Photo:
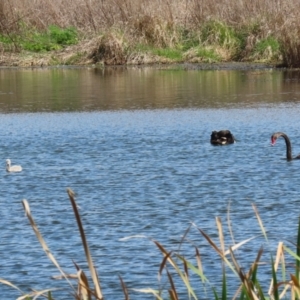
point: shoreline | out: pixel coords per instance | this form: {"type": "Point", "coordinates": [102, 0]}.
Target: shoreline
{"type": "Point", "coordinates": [79, 56]}
{"type": "Point", "coordinates": [18, 62]}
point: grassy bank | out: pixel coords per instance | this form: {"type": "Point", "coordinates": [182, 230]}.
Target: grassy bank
{"type": "Point", "coordinates": [139, 31]}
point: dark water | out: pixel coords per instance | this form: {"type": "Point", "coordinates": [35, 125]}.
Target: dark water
{"type": "Point", "coordinates": [134, 146]}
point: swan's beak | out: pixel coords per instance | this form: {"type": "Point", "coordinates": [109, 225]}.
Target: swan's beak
{"type": "Point", "coordinates": [273, 141]}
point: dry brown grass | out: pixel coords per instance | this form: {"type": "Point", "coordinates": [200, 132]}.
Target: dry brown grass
{"type": "Point", "coordinates": [158, 23]}
{"type": "Point", "coordinates": [98, 15]}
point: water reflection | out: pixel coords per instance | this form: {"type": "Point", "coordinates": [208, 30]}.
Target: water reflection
{"type": "Point", "coordinates": [88, 89]}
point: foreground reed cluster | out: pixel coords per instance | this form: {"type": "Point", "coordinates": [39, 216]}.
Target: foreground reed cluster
{"type": "Point", "coordinates": [178, 269]}
{"type": "Point", "coordinates": [141, 31]}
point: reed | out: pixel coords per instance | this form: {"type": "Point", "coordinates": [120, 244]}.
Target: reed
{"type": "Point", "coordinates": [250, 287]}
{"type": "Point", "coordinates": [178, 269]}
{"type": "Point", "coordinates": [237, 30]}
{"type": "Point", "coordinates": [83, 291]}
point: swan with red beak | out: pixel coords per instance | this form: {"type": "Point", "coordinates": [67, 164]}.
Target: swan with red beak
{"type": "Point", "coordinates": [274, 138]}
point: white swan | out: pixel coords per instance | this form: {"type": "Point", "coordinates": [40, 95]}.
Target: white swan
{"type": "Point", "coordinates": [10, 168]}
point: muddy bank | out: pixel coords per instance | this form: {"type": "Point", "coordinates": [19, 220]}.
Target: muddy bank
{"type": "Point", "coordinates": [46, 61]}
{"type": "Point", "coordinates": [97, 54]}
{"type": "Point", "coordinates": [67, 57]}
{"type": "Point", "coordinates": [216, 66]}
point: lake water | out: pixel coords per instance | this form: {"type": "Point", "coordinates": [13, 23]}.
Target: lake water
{"type": "Point", "coordinates": [133, 143]}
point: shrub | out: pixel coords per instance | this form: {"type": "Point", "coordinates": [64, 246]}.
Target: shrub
{"type": "Point", "coordinates": [67, 36]}
{"type": "Point", "coordinates": [267, 49]}
{"type": "Point", "coordinates": [53, 39]}
{"type": "Point", "coordinates": [220, 34]}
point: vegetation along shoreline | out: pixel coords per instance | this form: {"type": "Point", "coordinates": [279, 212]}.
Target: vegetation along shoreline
{"type": "Point", "coordinates": [139, 32]}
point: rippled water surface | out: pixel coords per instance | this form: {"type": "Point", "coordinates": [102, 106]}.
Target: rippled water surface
{"type": "Point", "coordinates": [134, 146]}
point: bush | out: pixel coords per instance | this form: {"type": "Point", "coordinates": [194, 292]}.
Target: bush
{"type": "Point", "coordinates": [53, 39]}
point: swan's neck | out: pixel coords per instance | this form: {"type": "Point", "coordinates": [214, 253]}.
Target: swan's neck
{"type": "Point", "coordinates": [288, 147]}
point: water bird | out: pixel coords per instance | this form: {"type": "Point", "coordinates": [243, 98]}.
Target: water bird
{"type": "Point", "coordinates": [222, 137]}
{"type": "Point", "coordinates": [10, 168]}
{"type": "Point", "coordinates": [274, 138]}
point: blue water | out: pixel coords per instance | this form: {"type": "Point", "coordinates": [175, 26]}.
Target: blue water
{"type": "Point", "coordinates": [146, 172]}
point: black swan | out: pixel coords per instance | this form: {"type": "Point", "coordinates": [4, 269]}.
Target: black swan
{"type": "Point", "coordinates": [274, 138]}
{"type": "Point", "coordinates": [222, 137]}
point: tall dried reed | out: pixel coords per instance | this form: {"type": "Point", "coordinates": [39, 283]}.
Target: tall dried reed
{"type": "Point", "coordinates": [250, 285]}
{"type": "Point", "coordinates": [178, 269]}
{"type": "Point", "coordinates": [161, 23]}
{"type": "Point", "coordinates": [98, 15]}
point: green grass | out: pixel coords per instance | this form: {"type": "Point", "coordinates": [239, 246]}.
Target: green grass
{"type": "Point", "coordinates": [53, 38]}
{"type": "Point", "coordinates": [206, 54]}
{"type": "Point", "coordinates": [218, 33]}
{"type": "Point", "coordinates": [267, 49]}
{"type": "Point", "coordinates": [172, 54]}
{"type": "Point", "coordinates": [188, 39]}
